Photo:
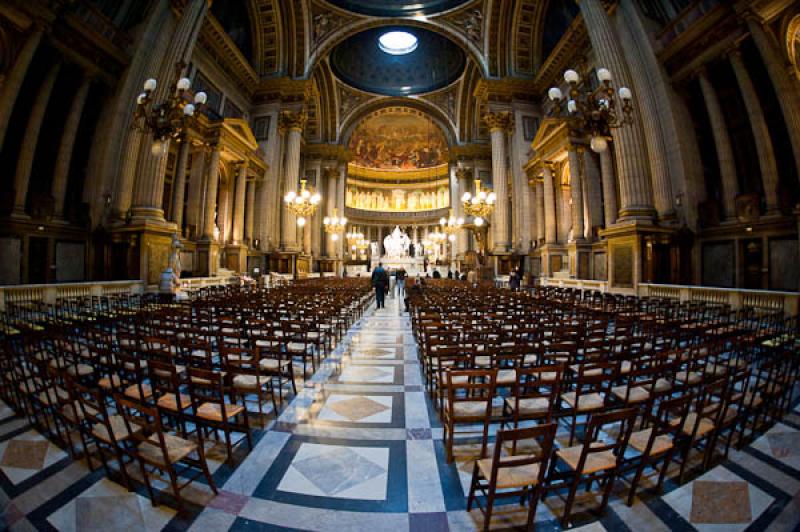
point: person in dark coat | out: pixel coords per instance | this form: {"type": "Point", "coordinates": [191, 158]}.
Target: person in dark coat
{"type": "Point", "coordinates": [436, 274]}
{"type": "Point", "coordinates": [380, 281]}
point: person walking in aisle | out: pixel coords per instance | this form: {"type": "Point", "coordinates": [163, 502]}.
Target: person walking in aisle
{"type": "Point", "coordinates": [380, 281]}
{"type": "Point", "coordinates": [401, 282]}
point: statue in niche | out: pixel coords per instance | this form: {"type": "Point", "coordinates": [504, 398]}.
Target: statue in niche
{"type": "Point", "coordinates": [349, 197]}
{"type": "Point", "coordinates": [413, 201]}
{"type": "Point", "coordinates": [396, 244]}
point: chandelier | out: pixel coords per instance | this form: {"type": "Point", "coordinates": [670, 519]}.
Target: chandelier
{"type": "Point", "coordinates": [592, 112]}
{"type": "Point", "coordinates": [353, 237]}
{"type": "Point", "coordinates": [480, 205]}
{"type": "Point", "coordinates": [334, 225]}
{"type": "Point", "coordinates": [170, 118]}
{"type": "Point", "coordinates": [450, 226]}
{"type": "Point", "coordinates": [302, 204]}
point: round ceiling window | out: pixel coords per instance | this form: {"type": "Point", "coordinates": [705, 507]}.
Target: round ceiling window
{"type": "Point", "coordinates": [397, 42]}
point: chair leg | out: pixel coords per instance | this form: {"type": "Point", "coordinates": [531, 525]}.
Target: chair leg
{"type": "Point", "coordinates": [635, 482]}
{"type": "Point", "coordinates": [570, 500]}
{"type": "Point", "coordinates": [173, 479]}
{"type": "Point", "coordinates": [487, 518]}
{"type": "Point", "coordinates": [472, 487]}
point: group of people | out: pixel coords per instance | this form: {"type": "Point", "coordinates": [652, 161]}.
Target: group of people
{"type": "Point", "coordinates": [381, 283]}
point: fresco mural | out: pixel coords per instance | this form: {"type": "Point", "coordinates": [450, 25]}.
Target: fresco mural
{"type": "Point", "coordinates": [398, 138]}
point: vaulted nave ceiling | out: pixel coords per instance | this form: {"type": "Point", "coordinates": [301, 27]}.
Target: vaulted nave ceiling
{"type": "Point", "coordinates": [332, 44]}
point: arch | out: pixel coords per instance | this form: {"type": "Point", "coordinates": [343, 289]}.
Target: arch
{"type": "Point", "coordinates": [362, 111]}
{"type": "Point", "coordinates": [323, 48]}
{"type": "Point", "coordinates": [792, 44]}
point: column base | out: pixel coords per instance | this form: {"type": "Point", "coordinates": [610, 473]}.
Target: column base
{"type": "Point", "coordinates": [635, 253]}
{"type": "Point", "coordinates": [141, 214]}
{"type": "Point", "coordinates": [236, 257]}
{"type": "Point", "coordinates": [580, 256]}
{"type": "Point", "coordinates": [207, 258]}
{"type": "Point", "coordinates": [144, 248]}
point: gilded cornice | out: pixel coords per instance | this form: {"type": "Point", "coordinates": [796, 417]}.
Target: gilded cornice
{"type": "Point", "coordinates": [284, 89]}
{"type": "Point", "coordinates": [398, 175]}
{"type": "Point", "coordinates": [504, 90]}
{"type": "Point", "coordinates": [227, 56]}
{"type": "Point", "coordinates": [324, 151]}
{"type": "Point", "coordinates": [470, 151]}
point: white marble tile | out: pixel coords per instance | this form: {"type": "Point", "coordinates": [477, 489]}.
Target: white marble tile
{"type": "Point", "coordinates": [357, 409]}
{"type": "Point", "coordinates": [338, 471]}
{"type": "Point", "coordinates": [781, 443]}
{"type": "Point", "coordinates": [416, 411]}
{"type": "Point", "coordinates": [251, 471]}
{"type": "Point", "coordinates": [376, 374]}
{"type": "Point", "coordinates": [25, 455]}
{"type": "Point", "coordinates": [106, 505]}
{"type": "Point", "coordinates": [424, 486]}
{"type": "Point", "coordinates": [306, 518]}
{"type": "Point", "coordinates": [681, 500]}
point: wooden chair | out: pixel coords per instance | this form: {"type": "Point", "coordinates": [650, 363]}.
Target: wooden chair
{"type": "Point", "coordinates": [516, 474]}
{"type": "Point", "coordinates": [211, 410]}
{"type": "Point", "coordinates": [160, 449]}
{"type": "Point", "coordinates": [595, 459]}
{"type": "Point", "coordinates": [592, 389]}
{"type": "Point", "coordinates": [243, 370]}
{"type": "Point", "coordinates": [658, 440]}
{"type": "Point", "coordinates": [469, 400]}
{"type": "Point", "coordinates": [535, 394]}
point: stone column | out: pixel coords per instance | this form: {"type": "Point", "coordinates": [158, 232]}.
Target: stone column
{"type": "Point", "coordinates": [636, 194]}
{"type": "Point", "coordinates": [64, 158]}
{"type": "Point", "coordinates": [340, 199]}
{"type": "Point", "coordinates": [380, 241]}
{"type": "Point", "coordinates": [609, 188]}
{"type": "Point", "coordinates": [463, 176]}
{"type": "Point", "coordinates": [249, 213]}
{"type": "Point", "coordinates": [223, 210]}
{"type": "Point", "coordinates": [194, 215]}
{"type": "Point", "coordinates": [499, 126]}
{"type": "Point", "coordinates": [576, 191]}
{"type": "Point", "coordinates": [212, 178]}
{"type": "Point", "coordinates": [549, 205]}
{"type": "Point", "coordinates": [149, 189]}
{"type": "Point", "coordinates": [331, 175]}
{"type": "Point", "coordinates": [239, 203]}
{"type": "Point", "coordinates": [293, 123]}
{"type": "Point", "coordinates": [30, 140]}
{"type": "Point", "coordinates": [539, 192]}
{"type": "Point", "coordinates": [179, 185]}
{"type": "Point", "coordinates": [766, 152]}
{"type": "Point", "coordinates": [14, 79]}
{"type": "Point", "coordinates": [594, 196]}
{"type": "Point", "coordinates": [722, 142]}
{"type": "Point", "coordinates": [785, 85]}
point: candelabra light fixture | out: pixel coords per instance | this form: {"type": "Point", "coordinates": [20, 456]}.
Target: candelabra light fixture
{"type": "Point", "coordinates": [450, 226]}
{"type": "Point", "coordinates": [168, 119]}
{"type": "Point", "coordinates": [334, 225]}
{"type": "Point", "coordinates": [592, 112]}
{"type": "Point", "coordinates": [480, 205]}
{"type": "Point", "coordinates": [353, 237]}
{"type": "Point", "coordinates": [302, 203]}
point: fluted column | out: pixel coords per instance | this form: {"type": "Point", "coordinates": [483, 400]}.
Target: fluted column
{"type": "Point", "coordinates": [223, 209]}
{"type": "Point", "coordinates": [463, 176]}
{"type": "Point", "coordinates": [239, 204]}
{"type": "Point", "coordinates": [331, 175]}
{"type": "Point", "coordinates": [194, 208]}
{"type": "Point", "coordinates": [785, 85]}
{"type": "Point", "coordinates": [249, 213]}
{"type": "Point", "coordinates": [212, 180]}
{"type": "Point", "coordinates": [576, 192]}
{"type": "Point", "coordinates": [636, 195]}
{"type": "Point", "coordinates": [31, 139]}
{"type": "Point", "coordinates": [549, 206]}
{"type": "Point", "coordinates": [149, 189]}
{"type": "Point", "coordinates": [608, 179]}
{"type": "Point", "coordinates": [499, 126]}
{"type": "Point", "coordinates": [180, 183]}
{"type": "Point", "coordinates": [766, 152]}
{"type": "Point", "coordinates": [722, 142]}
{"type": "Point", "coordinates": [14, 79]}
{"type": "Point", "coordinates": [64, 158]}
{"type": "Point", "coordinates": [340, 198]}
{"type": "Point", "coordinates": [594, 196]}
{"type": "Point", "coordinates": [293, 123]}
{"type": "Point", "coordinates": [538, 190]}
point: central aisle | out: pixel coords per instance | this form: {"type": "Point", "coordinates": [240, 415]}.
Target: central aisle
{"type": "Point", "coordinates": [355, 449]}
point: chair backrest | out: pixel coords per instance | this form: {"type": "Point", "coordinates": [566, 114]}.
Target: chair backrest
{"type": "Point", "coordinates": [471, 385]}
{"type": "Point", "coordinates": [142, 422]}
{"type": "Point", "coordinates": [514, 448]}
{"type": "Point", "coordinates": [616, 441]}
{"type": "Point", "coordinates": [539, 382]}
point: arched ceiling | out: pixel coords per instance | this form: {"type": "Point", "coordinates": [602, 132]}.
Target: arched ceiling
{"type": "Point", "coordinates": [397, 8]}
{"type": "Point", "coordinates": [435, 63]}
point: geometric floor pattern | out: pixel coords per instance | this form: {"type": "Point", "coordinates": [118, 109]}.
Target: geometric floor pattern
{"type": "Point", "coordinates": [360, 448]}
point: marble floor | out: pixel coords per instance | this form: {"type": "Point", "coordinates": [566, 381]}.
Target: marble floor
{"type": "Point", "coordinates": [360, 448]}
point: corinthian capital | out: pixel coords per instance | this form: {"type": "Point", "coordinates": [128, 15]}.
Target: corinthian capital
{"type": "Point", "coordinates": [500, 121]}
{"type": "Point", "coordinates": [292, 120]}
